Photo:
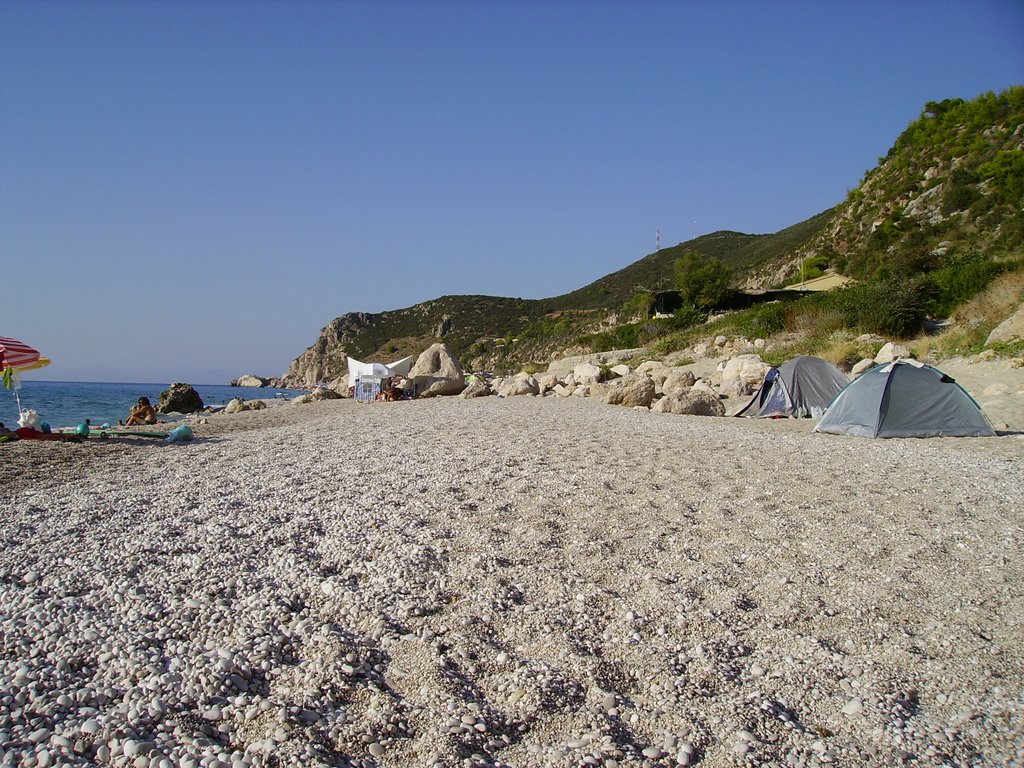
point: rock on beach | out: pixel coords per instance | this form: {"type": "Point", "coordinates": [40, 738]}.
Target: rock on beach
{"type": "Point", "coordinates": [557, 582]}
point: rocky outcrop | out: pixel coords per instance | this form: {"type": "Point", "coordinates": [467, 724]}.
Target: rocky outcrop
{"type": "Point", "coordinates": [437, 372]}
{"type": "Point", "coordinates": [327, 359]}
{"type": "Point", "coordinates": [252, 380]}
{"type": "Point", "coordinates": [180, 398]}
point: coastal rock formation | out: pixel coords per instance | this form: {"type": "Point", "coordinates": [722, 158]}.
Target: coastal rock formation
{"type": "Point", "coordinates": [325, 361]}
{"type": "Point", "coordinates": [437, 372]}
{"type": "Point", "coordinates": [252, 380]}
{"type": "Point", "coordinates": [180, 398]}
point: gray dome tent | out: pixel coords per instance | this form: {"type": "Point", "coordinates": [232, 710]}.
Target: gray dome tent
{"type": "Point", "coordinates": [796, 388]}
{"type": "Point", "coordinates": [904, 398]}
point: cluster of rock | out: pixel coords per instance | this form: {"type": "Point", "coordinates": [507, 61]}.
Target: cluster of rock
{"type": "Point", "coordinates": [652, 384]}
{"type": "Point", "coordinates": [659, 386]}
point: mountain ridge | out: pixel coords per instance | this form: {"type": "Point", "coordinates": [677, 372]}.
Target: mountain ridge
{"type": "Point", "coordinates": [952, 181]}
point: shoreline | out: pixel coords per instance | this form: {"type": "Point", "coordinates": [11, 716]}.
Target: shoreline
{"type": "Point", "coordinates": [536, 581]}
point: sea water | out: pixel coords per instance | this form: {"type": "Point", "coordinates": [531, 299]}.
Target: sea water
{"type": "Point", "coordinates": [69, 403]}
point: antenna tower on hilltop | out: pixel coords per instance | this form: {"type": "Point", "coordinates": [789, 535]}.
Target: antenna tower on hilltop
{"type": "Point", "coordinates": [657, 241]}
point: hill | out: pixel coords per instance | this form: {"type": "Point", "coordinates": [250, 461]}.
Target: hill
{"type": "Point", "coordinates": [941, 214]}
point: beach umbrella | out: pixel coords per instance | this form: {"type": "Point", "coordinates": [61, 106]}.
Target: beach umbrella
{"type": "Point", "coordinates": [15, 357]}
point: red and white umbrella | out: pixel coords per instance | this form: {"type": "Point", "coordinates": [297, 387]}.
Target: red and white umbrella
{"type": "Point", "coordinates": [17, 356]}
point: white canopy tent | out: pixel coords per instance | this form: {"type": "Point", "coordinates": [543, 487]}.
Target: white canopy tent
{"type": "Point", "coordinates": [377, 372]}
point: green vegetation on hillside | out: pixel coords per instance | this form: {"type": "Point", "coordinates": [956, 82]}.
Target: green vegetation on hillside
{"type": "Point", "coordinates": [955, 176]}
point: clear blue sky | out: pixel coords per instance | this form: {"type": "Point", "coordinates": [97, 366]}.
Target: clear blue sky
{"type": "Point", "coordinates": [192, 190]}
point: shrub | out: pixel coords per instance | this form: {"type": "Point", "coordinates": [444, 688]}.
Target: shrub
{"type": "Point", "coordinates": [958, 197]}
{"type": "Point", "coordinates": [762, 320]}
{"type": "Point", "coordinates": [702, 281]}
{"type": "Point", "coordinates": [957, 284]}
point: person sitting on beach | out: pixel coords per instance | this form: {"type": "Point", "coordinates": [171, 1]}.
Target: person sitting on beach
{"type": "Point", "coordinates": [143, 413]}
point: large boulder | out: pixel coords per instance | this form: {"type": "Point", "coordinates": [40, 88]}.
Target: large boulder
{"type": "Point", "coordinates": [748, 369]}
{"type": "Point", "coordinates": [520, 384]}
{"type": "Point", "coordinates": [586, 373]}
{"type": "Point", "coordinates": [678, 381]}
{"type": "Point", "coordinates": [180, 398]}
{"type": "Point", "coordinates": [238, 405]}
{"type": "Point", "coordinates": [1010, 330]}
{"type": "Point", "coordinates": [547, 383]}
{"type": "Point", "coordinates": [864, 365]}
{"type": "Point", "coordinates": [249, 380]}
{"type": "Point", "coordinates": [437, 372]}
{"type": "Point", "coordinates": [696, 402]}
{"type": "Point", "coordinates": [891, 351]}
{"type": "Point", "coordinates": [318, 394]}
{"type": "Point", "coordinates": [635, 389]}
{"type": "Point", "coordinates": [475, 388]}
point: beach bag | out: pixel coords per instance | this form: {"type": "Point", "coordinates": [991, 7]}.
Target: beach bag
{"type": "Point", "coordinates": [180, 434]}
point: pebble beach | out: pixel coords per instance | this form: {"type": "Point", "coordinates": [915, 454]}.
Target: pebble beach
{"type": "Point", "coordinates": [511, 582]}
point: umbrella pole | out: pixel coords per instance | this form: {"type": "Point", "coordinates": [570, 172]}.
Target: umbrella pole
{"type": "Point", "coordinates": [17, 397]}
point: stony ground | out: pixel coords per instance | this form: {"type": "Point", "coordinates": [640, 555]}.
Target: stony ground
{"type": "Point", "coordinates": [520, 582]}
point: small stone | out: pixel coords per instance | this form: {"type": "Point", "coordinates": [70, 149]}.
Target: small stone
{"type": "Point", "coordinates": [376, 749]}
{"type": "Point", "coordinates": [853, 707]}
{"type": "Point", "coordinates": [652, 752]}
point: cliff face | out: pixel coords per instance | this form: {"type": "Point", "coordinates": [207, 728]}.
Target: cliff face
{"type": "Point", "coordinates": [325, 361]}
